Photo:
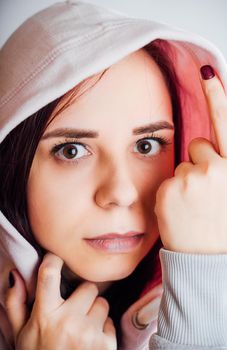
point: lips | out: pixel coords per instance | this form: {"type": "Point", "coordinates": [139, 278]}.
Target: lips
{"type": "Point", "coordinates": [116, 242]}
{"type": "Point", "coordinates": [113, 235]}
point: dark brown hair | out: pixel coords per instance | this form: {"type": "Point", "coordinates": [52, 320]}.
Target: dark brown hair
{"type": "Point", "coordinates": [16, 156]}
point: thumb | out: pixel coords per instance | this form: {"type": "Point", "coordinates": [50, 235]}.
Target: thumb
{"type": "Point", "coordinates": [16, 307]}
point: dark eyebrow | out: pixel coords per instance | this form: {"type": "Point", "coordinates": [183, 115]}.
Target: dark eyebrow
{"type": "Point", "coordinates": [80, 133]}
{"type": "Point", "coordinates": [153, 127]}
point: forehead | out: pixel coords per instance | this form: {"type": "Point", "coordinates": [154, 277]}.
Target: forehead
{"type": "Point", "coordinates": [131, 91]}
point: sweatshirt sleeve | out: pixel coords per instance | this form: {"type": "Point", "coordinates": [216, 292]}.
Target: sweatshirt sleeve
{"type": "Point", "coordinates": [193, 308]}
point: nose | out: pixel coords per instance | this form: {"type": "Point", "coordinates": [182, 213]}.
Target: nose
{"type": "Point", "coordinates": [116, 188]}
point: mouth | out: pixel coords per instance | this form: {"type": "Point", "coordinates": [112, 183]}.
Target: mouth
{"type": "Point", "coordinates": [115, 242]}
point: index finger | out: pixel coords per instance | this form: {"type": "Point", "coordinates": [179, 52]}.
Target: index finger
{"type": "Point", "coordinates": [48, 296]}
{"type": "Point", "coordinates": [217, 103]}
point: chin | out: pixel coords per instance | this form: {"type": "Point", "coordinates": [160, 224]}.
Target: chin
{"type": "Point", "coordinates": [106, 276]}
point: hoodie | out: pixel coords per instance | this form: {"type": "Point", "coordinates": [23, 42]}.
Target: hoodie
{"type": "Point", "coordinates": [74, 40]}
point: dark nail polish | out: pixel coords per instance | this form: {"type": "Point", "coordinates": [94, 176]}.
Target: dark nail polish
{"type": "Point", "coordinates": [11, 280]}
{"type": "Point", "coordinates": [207, 72]}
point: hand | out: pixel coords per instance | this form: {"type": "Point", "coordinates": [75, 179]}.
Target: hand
{"type": "Point", "coordinates": [191, 206]}
{"type": "Point", "coordinates": [79, 323]}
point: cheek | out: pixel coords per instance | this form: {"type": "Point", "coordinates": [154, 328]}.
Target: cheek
{"type": "Point", "coordinates": [55, 202]}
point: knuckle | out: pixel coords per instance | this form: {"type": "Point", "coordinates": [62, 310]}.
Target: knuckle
{"type": "Point", "coordinates": [46, 273]}
{"type": "Point", "coordinates": [103, 302]}
{"type": "Point", "coordinates": [196, 141]}
{"type": "Point", "coordinates": [39, 323]}
{"type": "Point", "coordinates": [165, 194]}
{"type": "Point", "coordinates": [68, 327]}
{"type": "Point", "coordinates": [166, 188]}
{"type": "Point", "coordinates": [213, 86]}
{"type": "Point", "coordinates": [189, 182]}
{"type": "Point", "coordinates": [53, 260]}
{"type": "Point", "coordinates": [91, 287]}
{"type": "Point", "coordinates": [212, 169]}
{"type": "Point", "coordinates": [181, 168]}
{"type": "Point", "coordinates": [220, 110]}
{"type": "Point", "coordinates": [88, 336]}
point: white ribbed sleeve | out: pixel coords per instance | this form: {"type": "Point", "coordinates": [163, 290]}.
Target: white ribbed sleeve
{"type": "Point", "coordinates": [193, 309]}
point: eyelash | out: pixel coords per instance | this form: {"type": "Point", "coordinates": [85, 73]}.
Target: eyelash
{"type": "Point", "coordinates": [163, 141]}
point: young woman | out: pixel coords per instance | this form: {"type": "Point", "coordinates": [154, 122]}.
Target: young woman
{"type": "Point", "coordinates": [99, 169]}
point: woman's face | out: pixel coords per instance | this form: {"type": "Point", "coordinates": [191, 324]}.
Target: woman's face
{"type": "Point", "coordinates": [105, 180]}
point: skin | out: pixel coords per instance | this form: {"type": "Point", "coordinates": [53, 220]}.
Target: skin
{"type": "Point", "coordinates": [116, 186]}
{"type": "Point", "coordinates": [198, 191]}
{"type": "Point", "coordinates": [207, 165]}
{"type": "Point", "coordinates": [112, 187]}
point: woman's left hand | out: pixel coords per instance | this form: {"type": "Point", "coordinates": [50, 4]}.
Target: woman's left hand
{"type": "Point", "coordinates": [191, 207]}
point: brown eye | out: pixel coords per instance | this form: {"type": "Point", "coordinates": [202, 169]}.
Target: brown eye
{"type": "Point", "coordinates": [69, 151]}
{"type": "Point", "coordinates": [147, 147]}
{"type": "Point", "coordinates": [144, 147]}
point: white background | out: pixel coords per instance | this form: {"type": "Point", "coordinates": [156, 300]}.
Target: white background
{"type": "Point", "coordinates": [205, 17]}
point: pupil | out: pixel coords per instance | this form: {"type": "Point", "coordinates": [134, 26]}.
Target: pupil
{"type": "Point", "coordinates": [144, 147]}
{"type": "Point", "coordinates": [69, 151]}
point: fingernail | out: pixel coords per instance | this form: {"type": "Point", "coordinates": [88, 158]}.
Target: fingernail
{"type": "Point", "coordinates": [11, 280]}
{"type": "Point", "coordinates": [207, 72]}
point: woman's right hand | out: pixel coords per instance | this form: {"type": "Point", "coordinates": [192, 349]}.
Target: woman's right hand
{"type": "Point", "coordinates": [79, 323]}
